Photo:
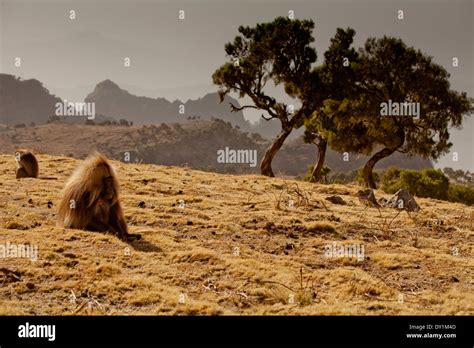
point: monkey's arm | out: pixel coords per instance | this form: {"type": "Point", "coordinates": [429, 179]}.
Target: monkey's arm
{"type": "Point", "coordinates": [21, 173]}
{"type": "Point", "coordinates": [97, 225]}
{"type": "Point", "coordinates": [117, 221]}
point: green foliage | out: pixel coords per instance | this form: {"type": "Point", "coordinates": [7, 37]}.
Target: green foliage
{"type": "Point", "coordinates": [333, 80]}
{"type": "Point", "coordinates": [389, 70]}
{"type": "Point", "coordinates": [309, 173]}
{"type": "Point", "coordinates": [429, 182]}
{"type": "Point", "coordinates": [342, 177]}
{"type": "Point", "coordinates": [279, 51]}
{"type": "Point", "coordinates": [461, 194]}
{"type": "Point", "coordinates": [425, 183]}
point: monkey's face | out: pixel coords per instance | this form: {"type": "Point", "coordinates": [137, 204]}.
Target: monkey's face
{"type": "Point", "coordinates": [108, 192]}
{"type": "Point", "coordinates": [18, 156]}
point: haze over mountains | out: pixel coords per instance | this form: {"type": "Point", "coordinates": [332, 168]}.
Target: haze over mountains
{"type": "Point", "coordinates": [28, 101]}
{"type": "Point", "coordinates": [115, 102]}
{"type": "Point", "coordinates": [25, 101]}
{"type": "Point", "coordinates": [160, 134]}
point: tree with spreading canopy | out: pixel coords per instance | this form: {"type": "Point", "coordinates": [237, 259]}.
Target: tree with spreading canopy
{"type": "Point", "coordinates": [334, 80]}
{"type": "Point", "coordinates": [388, 70]}
{"type": "Point", "coordinates": [279, 51]}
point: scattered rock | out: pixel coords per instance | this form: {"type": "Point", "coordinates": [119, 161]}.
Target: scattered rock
{"type": "Point", "coordinates": [30, 286]}
{"type": "Point", "coordinates": [336, 200]}
{"type": "Point", "coordinates": [15, 226]}
{"type": "Point", "coordinates": [9, 275]}
{"type": "Point", "coordinates": [146, 181]}
{"type": "Point", "coordinates": [30, 201]}
{"type": "Point", "coordinates": [71, 264]}
{"type": "Point", "coordinates": [367, 198]}
{"type": "Point", "coordinates": [189, 222]}
{"type": "Point", "coordinates": [270, 226]}
{"type": "Point", "coordinates": [141, 204]}
{"type": "Point", "coordinates": [50, 204]}
{"type": "Point", "coordinates": [403, 200]}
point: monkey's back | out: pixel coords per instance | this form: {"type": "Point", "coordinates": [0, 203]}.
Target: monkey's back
{"type": "Point", "coordinates": [27, 166]}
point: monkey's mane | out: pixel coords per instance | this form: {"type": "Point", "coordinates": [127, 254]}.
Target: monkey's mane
{"type": "Point", "coordinates": [84, 188]}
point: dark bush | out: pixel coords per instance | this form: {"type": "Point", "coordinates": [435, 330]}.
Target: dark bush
{"type": "Point", "coordinates": [461, 194]}
{"type": "Point", "coordinates": [428, 182]}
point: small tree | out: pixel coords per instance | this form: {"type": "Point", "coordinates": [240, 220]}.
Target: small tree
{"type": "Point", "coordinates": [279, 51]}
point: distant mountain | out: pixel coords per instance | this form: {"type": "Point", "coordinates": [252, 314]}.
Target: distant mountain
{"type": "Point", "coordinates": [110, 100]}
{"type": "Point", "coordinates": [25, 101]}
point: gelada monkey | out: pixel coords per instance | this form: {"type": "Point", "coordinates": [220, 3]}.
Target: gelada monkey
{"type": "Point", "coordinates": [91, 200]}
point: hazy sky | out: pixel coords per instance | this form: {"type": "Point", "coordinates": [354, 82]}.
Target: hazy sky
{"type": "Point", "coordinates": [175, 58]}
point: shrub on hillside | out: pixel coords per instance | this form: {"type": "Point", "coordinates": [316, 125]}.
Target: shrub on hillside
{"type": "Point", "coordinates": [461, 194]}
{"type": "Point", "coordinates": [425, 183]}
{"type": "Point", "coordinates": [325, 171]}
{"type": "Point", "coordinates": [123, 122]}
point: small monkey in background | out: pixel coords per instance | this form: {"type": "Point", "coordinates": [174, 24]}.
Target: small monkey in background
{"type": "Point", "coordinates": [27, 164]}
{"type": "Point", "coordinates": [91, 200]}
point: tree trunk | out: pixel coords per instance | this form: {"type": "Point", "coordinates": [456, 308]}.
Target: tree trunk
{"type": "Point", "coordinates": [316, 175]}
{"type": "Point", "coordinates": [266, 165]}
{"type": "Point", "coordinates": [369, 166]}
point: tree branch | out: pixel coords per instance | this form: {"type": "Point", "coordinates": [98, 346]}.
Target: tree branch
{"type": "Point", "coordinates": [237, 109]}
{"type": "Point", "coordinates": [267, 118]}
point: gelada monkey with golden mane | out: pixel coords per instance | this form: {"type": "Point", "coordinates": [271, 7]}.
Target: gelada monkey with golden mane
{"type": "Point", "coordinates": [91, 200]}
{"type": "Point", "coordinates": [27, 164]}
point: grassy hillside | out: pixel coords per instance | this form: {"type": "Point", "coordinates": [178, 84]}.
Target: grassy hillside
{"type": "Point", "coordinates": [239, 245]}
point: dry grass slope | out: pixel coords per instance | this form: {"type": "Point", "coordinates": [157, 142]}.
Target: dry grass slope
{"type": "Point", "coordinates": [238, 245]}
